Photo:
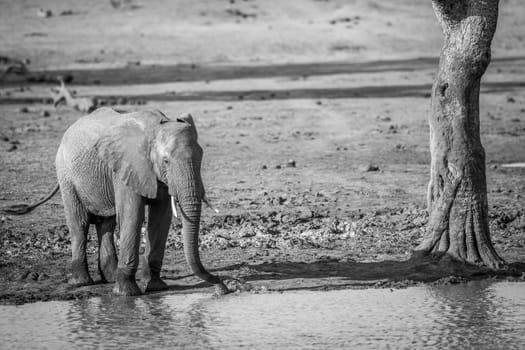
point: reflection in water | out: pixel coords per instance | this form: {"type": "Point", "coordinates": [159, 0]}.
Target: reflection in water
{"type": "Point", "coordinates": [138, 322]}
{"type": "Point", "coordinates": [474, 315]}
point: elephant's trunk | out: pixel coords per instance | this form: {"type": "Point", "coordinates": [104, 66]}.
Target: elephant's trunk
{"type": "Point", "coordinates": [189, 193]}
{"type": "Point", "coordinates": [190, 215]}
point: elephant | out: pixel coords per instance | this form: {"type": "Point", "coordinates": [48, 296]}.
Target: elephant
{"type": "Point", "coordinates": [110, 167]}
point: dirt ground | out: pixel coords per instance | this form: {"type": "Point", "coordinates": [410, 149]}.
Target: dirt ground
{"type": "Point", "coordinates": [312, 116]}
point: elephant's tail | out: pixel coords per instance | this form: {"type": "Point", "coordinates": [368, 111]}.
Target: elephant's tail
{"type": "Point", "coordinates": [19, 209]}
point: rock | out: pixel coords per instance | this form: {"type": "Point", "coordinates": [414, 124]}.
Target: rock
{"type": "Point", "coordinates": [44, 114]}
{"type": "Point", "coordinates": [32, 276]}
{"type": "Point", "coordinates": [66, 13]}
{"type": "Point", "coordinates": [290, 163]}
{"type": "Point", "coordinates": [264, 167]}
{"type": "Point", "coordinates": [44, 13]}
{"type": "Point", "coordinates": [23, 275]}
{"type": "Point", "coordinates": [369, 167]}
{"type": "Point", "coordinates": [511, 99]}
{"type": "Point", "coordinates": [246, 232]}
{"type": "Point", "coordinates": [278, 166]}
{"type": "Point", "coordinates": [392, 129]}
{"type": "Point", "coordinates": [399, 147]}
{"type": "Point", "coordinates": [383, 119]}
{"type": "Point", "coordinates": [305, 213]}
{"type": "Point", "coordinates": [24, 110]}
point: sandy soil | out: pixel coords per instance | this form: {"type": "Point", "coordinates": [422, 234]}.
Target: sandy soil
{"type": "Point", "coordinates": [312, 117]}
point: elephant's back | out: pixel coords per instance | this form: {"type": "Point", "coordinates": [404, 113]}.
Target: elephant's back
{"type": "Point", "coordinates": [88, 129]}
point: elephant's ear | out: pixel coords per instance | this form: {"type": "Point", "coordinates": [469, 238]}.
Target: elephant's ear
{"type": "Point", "coordinates": [188, 119]}
{"type": "Point", "coordinates": [125, 150]}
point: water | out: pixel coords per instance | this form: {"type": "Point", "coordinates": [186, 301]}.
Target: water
{"type": "Point", "coordinates": [478, 315]}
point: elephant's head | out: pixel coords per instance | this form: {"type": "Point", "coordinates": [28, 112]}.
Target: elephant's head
{"type": "Point", "coordinates": [150, 148]}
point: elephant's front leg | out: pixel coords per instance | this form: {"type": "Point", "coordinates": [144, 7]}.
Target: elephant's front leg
{"type": "Point", "coordinates": [130, 214]}
{"type": "Point", "coordinates": [159, 220]}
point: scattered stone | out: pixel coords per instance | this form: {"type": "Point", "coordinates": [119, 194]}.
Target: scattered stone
{"type": "Point", "coordinates": [67, 13]}
{"type": "Point", "coordinates": [44, 114]}
{"type": "Point", "coordinates": [44, 13]}
{"type": "Point", "coordinates": [264, 167]}
{"type": "Point", "coordinates": [344, 20]}
{"type": "Point", "coordinates": [369, 167]}
{"type": "Point", "coordinates": [392, 129]}
{"type": "Point", "coordinates": [239, 13]}
{"type": "Point", "coordinates": [383, 118]}
{"type": "Point", "coordinates": [400, 147]}
{"type": "Point", "coordinates": [278, 166]}
{"type": "Point", "coordinates": [229, 108]}
{"type": "Point", "coordinates": [33, 276]}
{"type": "Point", "coordinates": [304, 213]}
{"type": "Point", "coordinates": [23, 275]}
{"type": "Point", "coordinates": [24, 110]}
{"type": "Point", "coordinates": [511, 99]}
{"type": "Point", "coordinates": [290, 163]}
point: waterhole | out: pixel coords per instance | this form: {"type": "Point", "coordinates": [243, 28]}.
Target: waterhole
{"type": "Point", "coordinates": [479, 315]}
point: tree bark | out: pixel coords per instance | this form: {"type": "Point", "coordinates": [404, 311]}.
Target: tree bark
{"type": "Point", "coordinates": [457, 191]}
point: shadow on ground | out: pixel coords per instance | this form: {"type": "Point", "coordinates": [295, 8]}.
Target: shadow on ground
{"type": "Point", "coordinates": [388, 273]}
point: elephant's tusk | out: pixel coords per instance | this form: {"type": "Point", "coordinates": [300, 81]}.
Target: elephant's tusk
{"type": "Point", "coordinates": [205, 200]}
{"type": "Point", "coordinates": [174, 207]}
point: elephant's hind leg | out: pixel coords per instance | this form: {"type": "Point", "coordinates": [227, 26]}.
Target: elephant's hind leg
{"type": "Point", "coordinates": [159, 219]}
{"type": "Point", "coordinates": [77, 218]}
{"type": "Point", "coordinates": [107, 255]}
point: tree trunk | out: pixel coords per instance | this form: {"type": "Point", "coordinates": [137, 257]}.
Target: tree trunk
{"type": "Point", "coordinates": [457, 192]}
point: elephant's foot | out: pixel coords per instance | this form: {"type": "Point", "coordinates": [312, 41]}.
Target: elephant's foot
{"type": "Point", "coordinates": [150, 280]}
{"type": "Point", "coordinates": [80, 281]}
{"type": "Point", "coordinates": [126, 285]}
{"type": "Point", "coordinates": [154, 284]}
{"type": "Point", "coordinates": [80, 275]}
